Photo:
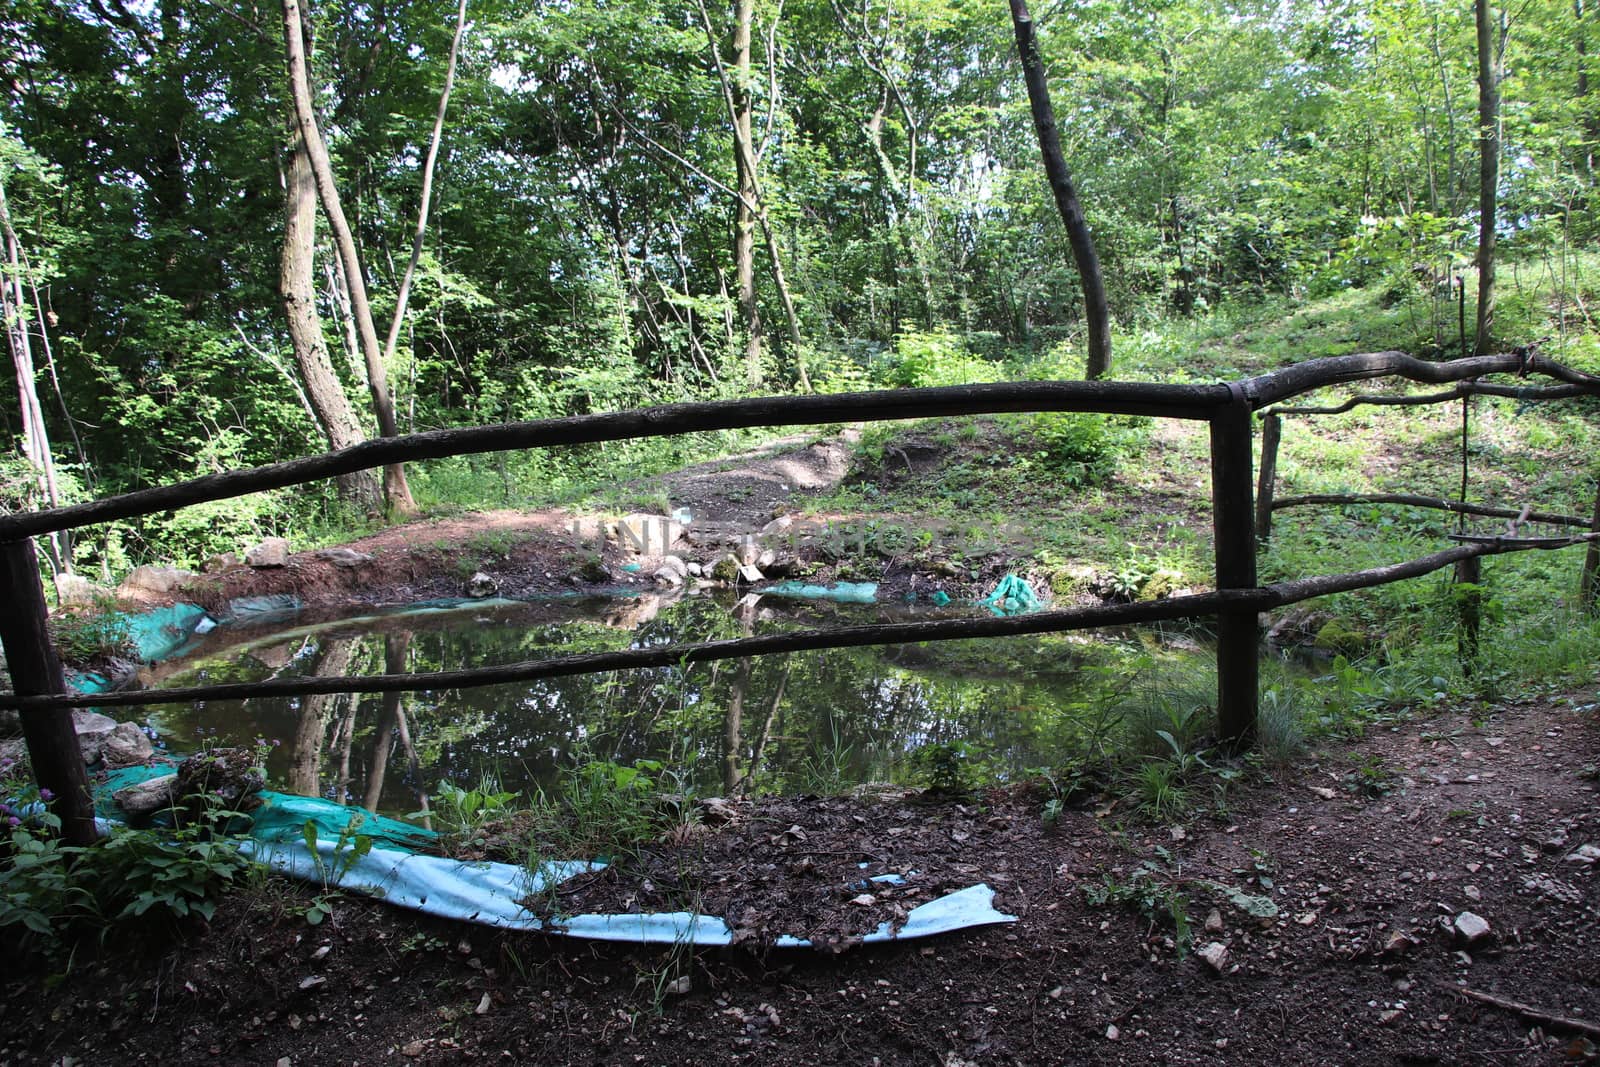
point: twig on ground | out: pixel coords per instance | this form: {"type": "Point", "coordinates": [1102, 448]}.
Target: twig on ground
{"type": "Point", "coordinates": [1527, 1011]}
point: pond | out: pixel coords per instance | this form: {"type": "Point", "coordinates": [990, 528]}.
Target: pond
{"type": "Point", "coordinates": [819, 721]}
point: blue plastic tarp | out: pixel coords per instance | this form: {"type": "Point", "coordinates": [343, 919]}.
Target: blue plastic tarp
{"type": "Point", "coordinates": [492, 894]}
{"type": "Point", "coordinates": [842, 592]}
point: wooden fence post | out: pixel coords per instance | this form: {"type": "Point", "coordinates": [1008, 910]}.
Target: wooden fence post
{"type": "Point", "coordinates": [1238, 630]}
{"type": "Point", "coordinates": [35, 670]}
{"type": "Point", "coordinates": [1271, 430]}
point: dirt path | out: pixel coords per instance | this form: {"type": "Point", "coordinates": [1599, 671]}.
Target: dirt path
{"type": "Point", "coordinates": [1370, 854]}
{"type": "Point", "coordinates": [541, 551]}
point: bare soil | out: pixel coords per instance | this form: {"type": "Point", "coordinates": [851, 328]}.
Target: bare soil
{"type": "Point", "coordinates": [1370, 851]}
{"type": "Point", "coordinates": [529, 553]}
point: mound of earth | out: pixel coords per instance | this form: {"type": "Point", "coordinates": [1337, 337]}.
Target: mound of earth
{"type": "Point", "coordinates": [531, 553]}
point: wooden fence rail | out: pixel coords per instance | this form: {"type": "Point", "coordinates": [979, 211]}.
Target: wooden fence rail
{"type": "Point", "coordinates": [41, 691]}
{"type": "Point", "coordinates": [1194, 606]}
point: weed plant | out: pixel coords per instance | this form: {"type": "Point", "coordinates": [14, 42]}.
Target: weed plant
{"type": "Point", "coordinates": [55, 896]}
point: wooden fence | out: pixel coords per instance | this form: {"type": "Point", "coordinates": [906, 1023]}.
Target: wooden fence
{"type": "Point", "coordinates": [41, 694]}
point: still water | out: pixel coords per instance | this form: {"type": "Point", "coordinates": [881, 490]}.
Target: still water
{"type": "Point", "coordinates": [805, 722]}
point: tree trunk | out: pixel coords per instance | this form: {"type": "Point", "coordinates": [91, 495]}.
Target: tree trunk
{"type": "Point", "coordinates": [1590, 120]}
{"type": "Point", "coordinates": [326, 397]}
{"type": "Point", "coordinates": [1095, 309]}
{"type": "Point", "coordinates": [305, 766]}
{"type": "Point", "coordinates": [403, 296]}
{"type": "Point", "coordinates": [35, 438]}
{"type": "Point", "coordinates": [732, 724]}
{"type": "Point", "coordinates": [1488, 170]}
{"type": "Point", "coordinates": [786, 297]}
{"type": "Point", "coordinates": [744, 220]}
{"type": "Point", "coordinates": [394, 476]}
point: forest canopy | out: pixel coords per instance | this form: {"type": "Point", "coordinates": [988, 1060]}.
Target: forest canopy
{"type": "Point", "coordinates": [634, 202]}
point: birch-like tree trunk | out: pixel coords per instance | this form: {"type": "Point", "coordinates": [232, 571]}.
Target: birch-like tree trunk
{"type": "Point", "coordinates": [396, 490]}
{"type": "Point", "coordinates": [296, 282]}
{"type": "Point", "coordinates": [744, 219]}
{"type": "Point", "coordinates": [35, 437]}
{"type": "Point", "coordinates": [1488, 170]}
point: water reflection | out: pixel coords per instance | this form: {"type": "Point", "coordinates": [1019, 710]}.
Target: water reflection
{"type": "Point", "coordinates": [813, 721]}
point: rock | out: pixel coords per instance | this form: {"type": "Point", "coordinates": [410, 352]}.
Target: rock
{"type": "Point", "coordinates": [220, 562]}
{"type": "Point", "coordinates": [1112, 1033]}
{"type": "Point", "coordinates": [1545, 886]}
{"type": "Point", "coordinates": [1472, 893]}
{"type": "Point", "coordinates": [273, 552]}
{"type": "Point", "coordinates": [678, 987]}
{"type": "Point", "coordinates": [726, 569]}
{"type": "Point", "coordinates": [147, 797]}
{"type": "Point", "coordinates": [125, 746]}
{"type": "Point", "coordinates": [588, 529]}
{"type": "Point", "coordinates": [1471, 928]}
{"type": "Point", "coordinates": [647, 535]}
{"type": "Point", "coordinates": [1399, 942]}
{"type": "Point", "coordinates": [694, 569]}
{"type": "Point", "coordinates": [76, 591]}
{"type": "Point", "coordinates": [749, 552]}
{"type": "Point", "coordinates": [92, 729]}
{"type": "Point", "coordinates": [634, 613]}
{"type": "Point", "coordinates": [766, 559]}
{"type": "Point", "coordinates": [225, 778]}
{"type": "Point", "coordinates": [1214, 921]}
{"type": "Point", "coordinates": [480, 585]}
{"type": "Point", "coordinates": [1586, 854]}
{"type": "Point", "coordinates": [344, 557]}
{"type": "Point", "coordinates": [1324, 792]}
{"type": "Point", "coordinates": [1300, 626]}
{"type": "Point", "coordinates": [780, 567]}
{"type": "Point", "coordinates": [150, 580]}
{"type": "Point", "coordinates": [1215, 954]}
{"type": "Point", "coordinates": [673, 570]}
{"type": "Point", "coordinates": [1389, 1016]}
{"type": "Point", "coordinates": [715, 811]}
{"type": "Point", "coordinates": [777, 526]}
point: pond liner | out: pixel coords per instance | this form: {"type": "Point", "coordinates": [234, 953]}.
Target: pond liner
{"type": "Point", "coordinates": [497, 894]}
{"type": "Point", "coordinates": [841, 592]}
{"type": "Point", "coordinates": [493, 894]}
{"type": "Point", "coordinates": [157, 634]}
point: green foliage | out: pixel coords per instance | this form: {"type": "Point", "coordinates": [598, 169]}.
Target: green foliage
{"type": "Point", "coordinates": [608, 808]}
{"type": "Point", "coordinates": [457, 811]}
{"type": "Point", "coordinates": [952, 767]}
{"type": "Point", "coordinates": [935, 358]}
{"type": "Point", "coordinates": [84, 638]}
{"type": "Point", "coordinates": [1148, 892]}
{"type": "Point", "coordinates": [1371, 778]}
{"type": "Point", "coordinates": [53, 896]}
{"type": "Point", "coordinates": [347, 850]}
